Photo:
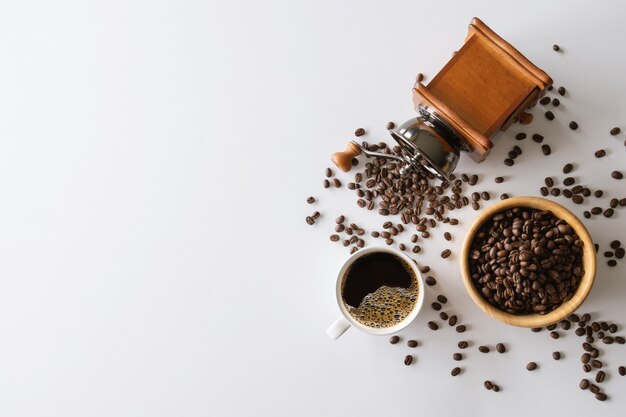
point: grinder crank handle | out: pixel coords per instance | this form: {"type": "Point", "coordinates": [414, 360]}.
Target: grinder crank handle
{"type": "Point", "coordinates": [343, 160]}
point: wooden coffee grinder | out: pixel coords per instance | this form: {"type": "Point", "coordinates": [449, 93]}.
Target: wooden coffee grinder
{"type": "Point", "coordinates": [485, 87]}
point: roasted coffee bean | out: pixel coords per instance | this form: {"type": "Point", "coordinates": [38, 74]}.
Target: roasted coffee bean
{"type": "Point", "coordinates": [578, 199]}
{"type": "Point", "coordinates": [447, 236]}
{"type": "Point", "coordinates": [310, 200]}
{"type": "Point", "coordinates": [600, 376]}
{"type": "Point", "coordinates": [463, 344]}
{"type": "Point", "coordinates": [620, 340]}
{"type": "Point", "coordinates": [614, 203]}
{"type": "Point", "coordinates": [594, 388]}
{"type": "Point", "coordinates": [443, 315]}
{"type": "Point", "coordinates": [544, 100]}
{"type": "Point", "coordinates": [334, 238]}
{"type": "Point", "coordinates": [561, 90]}
{"type": "Point", "coordinates": [567, 169]}
{"type": "Point", "coordinates": [408, 359]}
{"type": "Point", "coordinates": [598, 193]}
{"type": "Point", "coordinates": [536, 329]}
{"type": "Point", "coordinates": [573, 317]}
{"type": "Point", "coordinates": [402, 247]}
{"type": "Point", "coordinates": [549, 115]}
{"type": "Point", "coordinates": [455, 371]}
{"type": "Point", "coordinates": [537, 137]}
{"type": "Point", "coordinates": [457, 356]}
{"type": "Point", "coordinates": [531, 366]}
{"type": "Point", "coordinates": [452, 320]}
{"type": "Point", "coordinates": [608, 212]}
{"type": "Point", "coordinates": [436, 306]}
{"type": "Point", "coordinates": [504, 196]}
{"type": "Point", "coordinates": [390, 125]}
{"type": "Point", "coordinates": [551, 326]}
{"type": "Point", "coordinates": [568, 181]}
{"type": "Point", "coordinates": [608, 340]}
{"type": "Point", "coordinates": [601, 396]}
{"type": "Point", "coordinates": [326, 183]}
{"type": "Point", "coordinates": [587, 214]}
{"type": "Point", "coordinates": [612, 262]}
{"type": "Point", "coordinates": [585, 358]}
{"type": "Point", "coordinates": [309, 220]}
{"type": "Point", "coordinates": [485, 195]}
{"type": "Point", "coordinates": [483, 349]}
{"type": "Point", "coordinates": [509, 162]}
{"type": "Point", "coordinates": [615, 131]}
{"type": "Point", "coordinates": [488, 385]}
{"type": "Point", "coordinates": [473, 180]}
{"type": "Point", "coordinates": [556, 47]}
{"type": "Point", "coordinates": [544, 191]}
{"type": "Point", "coordinates": [546, 149]}
{"type": "Point", "coordinates": [556, 355]}
{"type": "Point", "coordinates": [600, 153]}
{"type": "Point", "coordinates": [498, 180]}
{"type": "Point", "coordinates": [501, 348]}
{"type": "Point", "coordinates": [442, 299]}
{"type": "Point", "coordinates": [594, 353]}
{"type": "Point", "coordinates": [565, 324]}
{"type": "Point", "coordinates": [596, 363]}
{"type": "Point", "coordinates": [359, 132]}
{"type": "Point", "coordinates": [622, 370]}
{"type": "Point", "coordinates": [586, 368]}
{"type": "Point", "coordinates": [573, 125]}
{"type": "Point", "coordinates": [584, 383]}
{"type": "Point", "coordinates": [556, 102]}
{"type": "Point", "coordinates": [617, 175]}
{"type": "Point", "coordinates": [520, 136]}
{"type": "Point", "coordinates": [336, 183]}
{"type": "Point", "coordinates": [430, 281]}
{"type": "Point", "coordinates": [432, 325]}
{"type": "Point", "coordinates": [554, 335]}
{"type": "Point", "coordinates": [394, 339]}
{"type": "Point", "coordinates": [549, 182]}
{"type": "Point", "coordinates": [612, 328]}
{"type": "Point", "coordinates": [412, 343]}
{"type": "Point", "coordinates": [328, 172]}
{"type": "Point", "coordinates": [460, 328]}
{"type": "Point", "coordinates": [446, 253]}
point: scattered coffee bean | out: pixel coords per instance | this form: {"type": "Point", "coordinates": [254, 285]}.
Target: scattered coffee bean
{"type": "Point", "coordinates": [501, 348]}
{"type": "Point", "coordinates": [537, 137]}
{"type": "Point", "coordinates": [577, 199]}
{"type": "Point", "coordinates": [443, 315]}
{"type": "Point", "coordinates": [436, 306]}
{"type": "Point", "coordinates": [408, 359]}
{"type": "Point", "coordinates": [596, 363]}
{"type": "Point", "coordinates": [608, 340]}
{"type": "Point", "coordinates": [617, 175]}
{"type": "Point", "coordinates": [544, 191]}
{"type": "Point", "coordinates": [446, 253]}
{"type": "Point", "coordinates": [608, 212]}
{"type": "Point", "coordinates": [622, 370]}
{"type": "Point", "coordinates": [495, 388]}
{"type": "Point", "coordinates": [430, 281]}
{"type": "Point", "coordinates": [544, 100]}
{"type": "Point", "coordinates": [390, 125]}
{"type": "Point", "coordinates": [585, 358]}
{"type": "Point", "coordinates": [336, 183]}
{"type": "Point", "coordinates": [326, 183]}
{"type": "Point", "coordinates": [412, 343]}
{"type": "Point", "coordinates": [546, 149]}
{"type": "Point", "coordinates": [615, 131]}
{"type": "Point", "coordinates": [554, 335]}
{"type": "Point", "coordinates": [573, 125]}
{"type": "Point", "coordinates": [561, 90]}
{"type": "Point", "coordinates": [600, 376]}
{"type": "Point", "coordinates": [536, 329]}
{"type": "Point", "coordinates": [600, 153]}
{"type": "Point", "coordinates": [442, 299]}
{"type": "Point", "coordinates": [460, 328]}
{"type": "Point", "coordinates": [334, 238]}
{"type": "Point", "coordinates": [328, 172]}
{"type": "Point", "coordinates": [556, 102]}
{"type": "Point", "coordinates": [309, 220]}
{"type": "Point", "coordinates": [359, 132]}
{"type": "Point", "coordinates": [452, 321]}
{"type": "Point", "coordinates": [520, 136]}
{"type": "Point", "coordinates": [509, 162]}
{"type": "Point", "coordinates": [463, 344]}
{"type": "Point", "coordinates": [594, 388]}
{"type": "Point", "coordinates": [549, 115]}
{"type": "Point", "coordinates": [483, 349]}
{"type": "Point", "coordinates": [455, 371]}
{"type": "Point", "coordinates": [394, 339]}
{"type": "Point", "coordinates": [419, 78]}
{"type": "Point", "coordinates": [488, 385]}
{"type": "Point", "coordinates": [531, 366]}
{"type": "Point", "coordinates": [601, 396]}
{"type": "Point", "coordinates": [447, 236]}
{"type": "Point", "coordinates": [567, 168]}
{"type": "Point", "coordinates": [556, 355]}
{"type": "Point", "coordinates": [498, 180]}
{"type": "Point", "coordinates": [549, 181]}
{"type": "Point", "coordinates": [432, 325]}
{"type": "Point", "coordinates": [457, 356]}
{"type": "Point", "coordinates": [556, 48]}
{"type": "Point", "coordinates": [584, 383]}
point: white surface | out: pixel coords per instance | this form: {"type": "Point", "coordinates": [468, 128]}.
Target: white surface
{"type": "Point", "coordinates": [155, 158]}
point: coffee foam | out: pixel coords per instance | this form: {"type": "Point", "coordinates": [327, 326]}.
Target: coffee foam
{"type": "Point", "coordinates": [387, 306]}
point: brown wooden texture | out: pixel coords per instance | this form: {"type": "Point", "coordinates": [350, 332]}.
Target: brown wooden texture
{"type": "Point", "coordinates": [532, 320]}
{"type": "Point", "coordinates": [343, 160]}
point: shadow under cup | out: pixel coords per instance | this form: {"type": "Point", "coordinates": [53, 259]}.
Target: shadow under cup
{"type": "Point", "coordinates": [379, 290]}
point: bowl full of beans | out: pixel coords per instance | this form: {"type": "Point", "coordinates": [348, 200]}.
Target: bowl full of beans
{"type": "Point", "coordinates": [528, 261]}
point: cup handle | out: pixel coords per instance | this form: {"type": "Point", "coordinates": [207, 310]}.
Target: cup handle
{"type": "Point", "coordinates": [338, 328]}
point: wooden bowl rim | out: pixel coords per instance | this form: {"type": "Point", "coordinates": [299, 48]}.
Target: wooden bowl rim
{"type": "Point", "coordinates": [565, 309]}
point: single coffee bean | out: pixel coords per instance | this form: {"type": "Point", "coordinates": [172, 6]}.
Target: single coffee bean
{"type": "Point", "coordinates": [412, 343]}
{"type": "Point", "coordinates": [555, 192]}
{"type": "Point", "coordinates": [500, 348]}
{"type": "Point", "coordinates": [554, 335]}
{"type": "Point", "coordinates": [483, 349]}
{"type": "Point", "coordinates": [334, 238]}
{"type": "Point", "coordinates": [596, 363]}
{"type": "Point", "coordinates": [531, 366]}
{"type": "Point", "coordinates": [622, 370]}
{"type": "Point", "coordinates": [520, 136]}
{"type": "Point", "coordinates": [326, 183]}
{"type": "Point", "coordinates": [600, 376]}
{"type": "Point", "coordinates": [509, 162]}
{"type": "Point", "coordinates": [620, 340]}
{"type": "Point", "coordinates": [567, 169]}
{"type": "Point", "coordinates": [586, 368]}
{"type": "Point", "coordinates": [546, 149]}
{"type": "Point", "coordinates": [544, 100]}
{"type": "Point", "coordinates": [608, 212]}
{"type": "Point", "coordinates": [549, 115]}
{"type": "Point", "coordinates": [600, 153]}
{"type": "Point", "coordinates": [614, 203]}
{"type": "Point", "coordinates": [328, 172]}
{"type": "Point", "coordinates": [612, 328]}
{"type": "Point", "coordinates": [408, 359]}
{"type": "Point", "coordinates": [577, 199]}
{"type": "Point", "coordinates": [455, 371]}
{"type": "Point", "coordinates": [460, 328]}
{"type": "Point", "coordinates": [596, 210]}
{"type": "Point", "coordinates": [565, 324]}
{"type": "Point", "coordinates": [544, 191]}
{"type": "Point", "coordinates": [549, 181]}
{"type": "Point", "coordinates": [584, 383]}
{"type": "Point", "coordinates": [594, 353]}
{"type": "Point", "coordinates": [495, 388]}
{"type": "Point", "coordinates": [556, 355]}
{"type": "Point", "coordinates": [488, 385]}
{"type": "Point", "coordinates": [457, 356]}
{"type": "Point", "coordinates": [601, 396]}
{"type": "Point", "coordinates": [463, 344]}
{"type": "Point", "coordinates": [359, 132]}
{"type": "Point", "coordinates": [617, 175]}
{"type": "Point", "coordinates": [452, 321]}
{"type": "Point", "coordinates": [504, 196]}
{"type": "Point", "coordinates": [436, 306]}
{"type": "Point", "coordinates": [598, 193]}
{"type": "Point", "coordinates": [443, 315]}
{"type": "Point", "coordinates": [537, 137]}
{"type": "Point", "coordinates": [390, 125]}
{"type": "Point", "coordinates": [585, 358]}
{"type": "Point", "coordinates": [568, 181]}
{"type": "Point", "coordinates": [498, 180]}
{"type": "Point", "coordinates": [561, 90]}
{"type": "Point", "coordinates": [594, 388]}
{"type": "Point", "coordinates": [615, 131]}
{"type": "Point", "coordinates": [432, 325]}
{"type": "Point", "coordinates": [556, 47]}
{"type": "Point", "coordinates": [536, 329]}
{"type": "Point", "coordinates": [394, 339]}
{"type": "Point", "coordinates": [612, 262]}
{"type": "Point", "coordinates": [309, 220]}
{"type": "Point", "coordinates": [573, 125]}
{"type": "Point", "coordinates": [442, 298]}
{"type": "Point", "coordinates": [607, 340]}
{"type": "Point", "coordinates": [573, 317]}
{"type": "Point", "coordinates": [556, 102]}
{"type": "Point", "coordinates": [446, 253]}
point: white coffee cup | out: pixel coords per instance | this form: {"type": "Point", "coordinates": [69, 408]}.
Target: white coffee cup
{"type": "Point", "coordinates": [344, 321]}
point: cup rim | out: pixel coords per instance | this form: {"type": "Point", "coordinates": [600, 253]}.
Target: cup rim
{"type": "Point", "coordinates": [533, 319]}
{"type": "Point", "coordinates": [387, 330]}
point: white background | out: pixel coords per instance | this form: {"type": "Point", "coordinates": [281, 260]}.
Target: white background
{"type": "Point", "coordinates": [155, 158]}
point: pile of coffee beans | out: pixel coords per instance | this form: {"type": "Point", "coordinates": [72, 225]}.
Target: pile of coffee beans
{"type": "Point", "coordinates": [524, 260]}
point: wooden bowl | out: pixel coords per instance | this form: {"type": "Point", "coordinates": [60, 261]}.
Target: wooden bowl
{"type": "Point", "coordinates": [565, 309]}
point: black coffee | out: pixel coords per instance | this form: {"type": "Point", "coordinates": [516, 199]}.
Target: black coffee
{"type": "Point", "coordinates": [379, 290]}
